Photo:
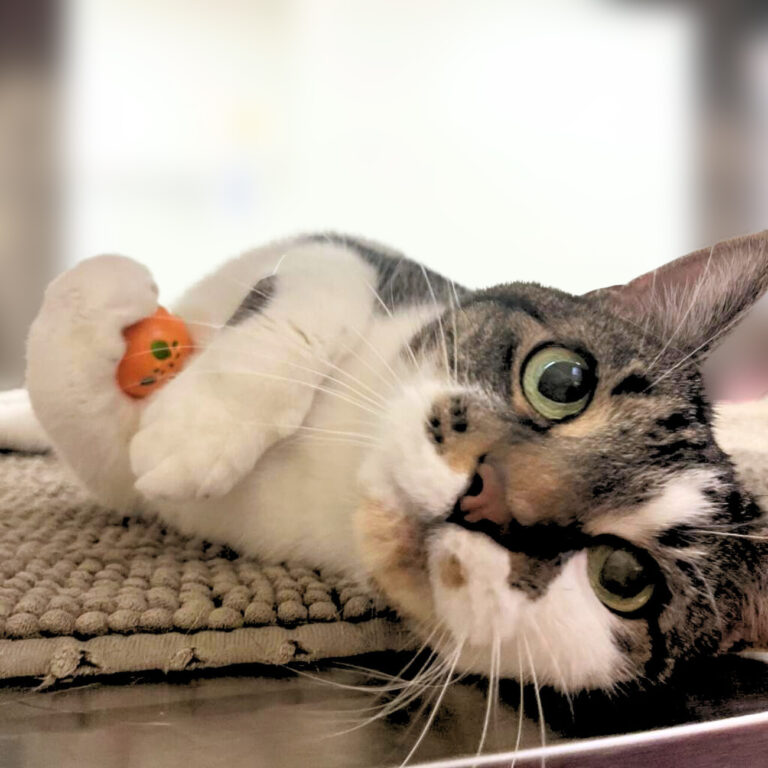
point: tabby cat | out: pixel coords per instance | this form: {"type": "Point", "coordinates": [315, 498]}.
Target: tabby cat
{"type": "Point", "coordinates": [529, 476]}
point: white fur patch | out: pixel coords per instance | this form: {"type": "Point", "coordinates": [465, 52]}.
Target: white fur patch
{"type": "Point", "coordinates": [19, 429]}
{"type": "Point", "coordinates": [681, 501]}
{"type": "Point", "coordinates": [255, 384]}
{"type": "Point", "coordinates": [566, 635]}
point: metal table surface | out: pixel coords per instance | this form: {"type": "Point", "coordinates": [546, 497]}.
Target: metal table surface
{"type": "Point", "coordinates": [274, 717]}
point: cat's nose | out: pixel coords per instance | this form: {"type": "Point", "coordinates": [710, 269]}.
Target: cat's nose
{"type": "Point", "coordinates": [485, 498]}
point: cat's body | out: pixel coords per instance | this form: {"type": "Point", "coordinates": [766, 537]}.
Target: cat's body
{"type": "Point", "coordinates": [311, 391]}
{"type": "Point", "coordinates": [531, 476]}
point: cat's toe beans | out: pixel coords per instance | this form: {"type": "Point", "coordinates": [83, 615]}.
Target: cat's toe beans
{"type": "Point", "coordinates": [447, 420]}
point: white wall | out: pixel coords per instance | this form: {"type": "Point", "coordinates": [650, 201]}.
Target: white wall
{"type": "Point", "coordinates": [494, 139]}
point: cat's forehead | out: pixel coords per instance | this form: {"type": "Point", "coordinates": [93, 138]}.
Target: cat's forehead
{"type": "Point", "coordinates": [525, 314]}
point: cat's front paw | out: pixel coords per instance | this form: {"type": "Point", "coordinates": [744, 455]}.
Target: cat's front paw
{"type": "Point", "coordinates": [114, 291]}
{"type": "Point", "coordinates": [76, 340]}
{"type": "Point", "coordinates": [188, 447]}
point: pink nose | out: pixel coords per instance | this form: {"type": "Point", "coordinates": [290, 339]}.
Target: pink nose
{"type": "Point", "coordinates": [484, 499]}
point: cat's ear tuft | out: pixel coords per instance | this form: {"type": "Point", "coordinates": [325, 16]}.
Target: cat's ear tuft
{"type": "Point", "coordinates": [690, 303]}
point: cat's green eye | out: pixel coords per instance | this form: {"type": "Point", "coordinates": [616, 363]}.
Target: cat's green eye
{"type": "Point", "coordinates": [557, 382]}
{"type": "Point", "coordinates": [623, 578]}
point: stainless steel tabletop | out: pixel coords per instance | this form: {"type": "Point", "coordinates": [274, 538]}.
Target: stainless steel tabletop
{"type": "Point", "coordinates": [268, 717]}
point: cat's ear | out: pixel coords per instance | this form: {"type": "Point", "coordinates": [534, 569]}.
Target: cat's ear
{"type": "Point", "coordinates": [689, 304]}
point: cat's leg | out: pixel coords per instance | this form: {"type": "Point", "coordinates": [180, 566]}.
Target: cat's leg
{"type": "Point", "coordinates": [74, 346]}
{"type": "Point", "coordinates": [19, 429]}
{"type": "Point", "coordinates": [255, 382]}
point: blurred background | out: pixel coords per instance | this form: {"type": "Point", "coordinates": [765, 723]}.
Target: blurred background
{"type": "Point", "coordinates": [573, 142]}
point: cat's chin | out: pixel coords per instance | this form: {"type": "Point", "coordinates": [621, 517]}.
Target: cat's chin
{"type": "Point", "coordinates": [454, 586]}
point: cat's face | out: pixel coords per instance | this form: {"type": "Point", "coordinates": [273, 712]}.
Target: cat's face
{"type": "Point", "coordinates": [547, 491]}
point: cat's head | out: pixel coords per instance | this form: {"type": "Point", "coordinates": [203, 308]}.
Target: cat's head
{"type": "Point", "coordinates": [549, 499]}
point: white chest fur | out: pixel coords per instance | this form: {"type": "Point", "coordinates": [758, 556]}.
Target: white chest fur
{"type": "Point", "coordinates": [300, 498]}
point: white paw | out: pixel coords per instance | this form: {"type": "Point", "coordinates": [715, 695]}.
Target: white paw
{"type": "Point", "coordinates": [189, 447]}
{"type": "Point", "coordinates": [76, 340]}
{"type": "Point", "coordinates": [106, 291]}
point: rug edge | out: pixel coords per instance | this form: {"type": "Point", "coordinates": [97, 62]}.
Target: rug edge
{"type": "Point", "coordinates": [57, 658]}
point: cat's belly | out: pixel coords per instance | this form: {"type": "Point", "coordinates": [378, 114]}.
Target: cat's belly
{"type": "Point", "coordinates": [297, 504]}
{"type": "Point", "coordinates": [300, 500]}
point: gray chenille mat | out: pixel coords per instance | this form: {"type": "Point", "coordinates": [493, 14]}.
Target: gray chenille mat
{"type": "Point", "coordinates": [84, 591]}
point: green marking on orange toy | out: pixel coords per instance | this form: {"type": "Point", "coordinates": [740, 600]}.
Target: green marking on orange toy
{"type": "Point", "coordinates": [156, 347]}
{"type": "Point", "coordinates": [160, 349]}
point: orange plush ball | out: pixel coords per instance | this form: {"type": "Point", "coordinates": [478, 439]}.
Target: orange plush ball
{"type": "Point", "coordinates": [156, 350]}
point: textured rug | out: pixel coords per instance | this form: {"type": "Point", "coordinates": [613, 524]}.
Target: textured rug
{"type": "Point", "coordinates": [84, 591]}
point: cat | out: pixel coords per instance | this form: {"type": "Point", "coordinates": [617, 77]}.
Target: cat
{"type": "Point", "coordinates": [529, 477]}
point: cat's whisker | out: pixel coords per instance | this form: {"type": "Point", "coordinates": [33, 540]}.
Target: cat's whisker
{"type": "Point", "coordinates": [555, 663]}
{"type": "Point", "coordinates": [378, 689]}
{"type": "Point", "coordinates": [399, 675]}
{"type": "Point", "coordinates": [289, 380]}
{"type": "Point", "coordinates": [406, 344]}
{"type": "Point", "coordinates": [521, 704]}
{"type": "Point", "coordinates": [496, 705]}
{"type": "Point", "coordinates": [422, 648]}
{"type": "Point", "coordinates": [437, 672]}
{"type": "Point", "coordinates": [750, 536]}
{"type": "Point", "coordinates": [410, 693]}
{"type": "Point", "coordinates": [320, 440]}
{"type": "Point", "coordinates": [339, 432]}
{"type": "Point", "coordinates": [537, 693]}
{"type": "Point", "coordinates": [387, 367]}
{"type": "Point", "coordinates": [433, 714]}
{"type": "Point", "coordinates": [439, 318]}
{"type": "Point", "coordinates": [492, 684]}
{"type": "Point", "coordinates": [454, 299]}
{"type": "Point", "coordinates": [249, 285]}
{"type": "Point", "coordinates": [710, 593]}
{"type": "Point", "coordinates": [302, 347]}
{"type": "Point", "coordinates": [318, 432]}
{"type": "Point", "coordinates": [429, 670]}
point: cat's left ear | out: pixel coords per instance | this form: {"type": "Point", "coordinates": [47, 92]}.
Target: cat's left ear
{"type": "Point", "coordinates": [690, 303]}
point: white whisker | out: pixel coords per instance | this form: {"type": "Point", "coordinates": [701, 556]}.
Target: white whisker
{"type": "Point", "coordinates": [556, 665]}
{"type": "Point", "coordinates": [379, 400]}
{"type": "Point", "coordinates": [439, 701]}
{"type": "Point", "coordinates": [454, 299]}
{"type": "Point", "coordinates": [521, 707]}
{"type": "Point", "coordinates": [391, 317]}
{"type": "Point", "coordinates": [439, 318]}
{"type": "Point", "coordinates": [538, 697]}
{"type": "Point", "coordinates": [492, 684]}
{"type": "Point", "coordinates": [710, 593]}
{"type": "Point", "coordinates": [289, 380]}
{"type": "Point", "coordinates": [753, 537]}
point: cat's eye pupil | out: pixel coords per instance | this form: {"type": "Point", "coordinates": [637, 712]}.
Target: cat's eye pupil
{"type": "Point", "coordinates": [558, 382]}
{"type": "Point", "coordinates": [564, 381]}
{"type": "Point", "coordinates": [623, 575]}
